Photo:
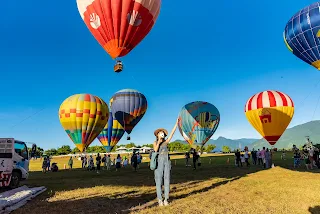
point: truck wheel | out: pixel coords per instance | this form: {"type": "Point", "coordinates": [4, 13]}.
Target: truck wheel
{"type": "Point", "coordinates": [15, 180]}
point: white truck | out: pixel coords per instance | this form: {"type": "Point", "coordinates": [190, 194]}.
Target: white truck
{"type": "Point", "coordinates": [14, 162]}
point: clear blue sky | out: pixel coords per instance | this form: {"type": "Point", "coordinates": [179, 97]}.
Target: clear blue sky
{"type": "Point", "coordinates": [221, 52]}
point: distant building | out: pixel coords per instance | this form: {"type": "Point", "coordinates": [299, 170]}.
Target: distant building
{"type": "Point", "coordinates": [122, 150]}
{"type": "Point", "coordinates": [145, 149]}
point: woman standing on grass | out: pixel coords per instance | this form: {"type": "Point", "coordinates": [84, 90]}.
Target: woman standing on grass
{"type": "Point", "coordinates": [162, 172]}
{"type": "Point", "coordinates": [108, 162]}
{"type": "Point", "coordinates": [70, 162]}
{"type": "Point", "coordinates": [118, 162]}
{"type": "Point", "coordinates": [134, 161]}
{"type": "Point", "coordinates": [98, 162]}
{"type": "Point", "coordinates": [267, 158]}
{"type": "Point", "coordinates": [44, 165]}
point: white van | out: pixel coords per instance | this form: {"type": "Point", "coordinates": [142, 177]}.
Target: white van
{"type": "Point", "coordinates": [14, 162]}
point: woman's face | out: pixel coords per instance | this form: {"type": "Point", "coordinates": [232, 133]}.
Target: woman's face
{"type": "Point", "coordinates": [161, 135]}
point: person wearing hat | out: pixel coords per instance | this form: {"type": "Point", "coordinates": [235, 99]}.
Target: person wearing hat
{"type": "Point", "coordinates": [162, 172]}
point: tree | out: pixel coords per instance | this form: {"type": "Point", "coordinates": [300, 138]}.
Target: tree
{"type": "Point", "coordinates": [64, 150]}
{"type": "Point", "coordinates": [186, 147]}
{"type": "Point", "coordinates": [130, 145]}
{"type": "Point", "coordinates": [148, 145]}
{"type": "Point", "coordinates": [39, 151]}
{"type": "Point", "coordinates": [226, 149]}
{"type": "Point", "coordinates": [114, 148]}
{"type": "Point", "coordinates": [96, 149]}
{"type": "Point", "coordinates": [176, 146]}
{"type": "Point", "coordinates": [210, 147]}
{"type": "Point", "coordinates": [51, 152]}
{"type": "Point", "coordinates": [75, 150]}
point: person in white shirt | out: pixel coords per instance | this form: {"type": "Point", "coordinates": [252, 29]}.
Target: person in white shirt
{"type": "Point", "coordinates": [246, 157]}
{"type": "Point", "coordinates": [311, 153]}
{"type": "Point", "coordinates": [243, 160]}
{"type": "Point", "coordinates": [108, 162]}
{"type": "Point", "coordinates": [91, 163]}
{"type": "Point", "coordinates": [118, 162]}
{"type": "Point", "coordinates": [125, 162]}
{"type": "Point", "coordinates": [259, 157]}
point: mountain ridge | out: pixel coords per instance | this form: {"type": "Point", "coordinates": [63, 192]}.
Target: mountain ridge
{"type": "Point", "coordinates": [292, 136]}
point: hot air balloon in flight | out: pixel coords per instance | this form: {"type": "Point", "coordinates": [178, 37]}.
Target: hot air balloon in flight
{"type": "Point", "coordinates": [111, 134]}
{"type": "Point", "coordinates": [120, 25]}
{"type": "Point", "coordinates": [128, 106]}
{"type": "Point", "coordinates": [302, 34]}
{"type": "Point", "coordinates": [198, 121]}
{"type": "Point", "coordinates": [270, 113]}
{"type": "Point", "coordinates": [83, 117]}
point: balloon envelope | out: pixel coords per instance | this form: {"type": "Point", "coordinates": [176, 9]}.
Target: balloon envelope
{"type": "Point", "coordinates": [83, 117]}
{"type": "Point", "coordinates": [111, 134]}
{"type": "Point", "coordinates": [302, 33]}
{"type": "Point", "coordinates": [119, 25]}
{"type": "Point", "coordinates": [198, 122]}
{"type": "Point", "coordinates": [270, 113]}
{"type": "Point", "coordinates": [128, 106]}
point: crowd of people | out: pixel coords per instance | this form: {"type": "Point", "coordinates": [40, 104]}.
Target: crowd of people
{"type": "Point", "coordinates": [106, 162]}
{"type": "Point", "coordinates": [195, 158]}
{"type": "Point", "coordinates": [308, 154]}
{"type": "Point", "coordinates": [260, 157]}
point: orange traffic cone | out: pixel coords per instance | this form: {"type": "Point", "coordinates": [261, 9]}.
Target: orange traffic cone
{"type": "Point", "coordinates": [64, 166]}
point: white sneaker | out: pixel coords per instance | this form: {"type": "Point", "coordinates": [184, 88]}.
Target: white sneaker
{"type": "Point", "coordinates": [165, 203]}
{"type": "Point", "coordinates": [160, 203]}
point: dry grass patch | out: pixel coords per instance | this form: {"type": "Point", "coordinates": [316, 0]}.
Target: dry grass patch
{"type": "Point", "coordinates": [215, 188]}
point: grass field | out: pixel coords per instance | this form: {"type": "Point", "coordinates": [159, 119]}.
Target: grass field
{"type": "Point", "coordinates": [218, 187]}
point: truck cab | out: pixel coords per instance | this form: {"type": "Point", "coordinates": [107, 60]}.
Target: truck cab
{"type": "Point", "coordinates": [14, 162]}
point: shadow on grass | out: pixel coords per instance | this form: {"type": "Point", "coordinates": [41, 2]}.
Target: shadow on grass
{"type": "Point", "coordinates": [125, 202]}
{"type": "Point", "coordinates": [314, 210]}
{"type": "Point", "coordinates": [65, 180]}
{"type": "Point", "coordinates": [134, 200]}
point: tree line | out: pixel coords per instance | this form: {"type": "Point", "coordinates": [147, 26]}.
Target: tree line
{"type": "Point", "coordinates": [173, 147]}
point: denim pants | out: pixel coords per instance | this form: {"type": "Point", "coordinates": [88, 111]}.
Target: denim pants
{"type": "Point", "coordinates": [163, 173]}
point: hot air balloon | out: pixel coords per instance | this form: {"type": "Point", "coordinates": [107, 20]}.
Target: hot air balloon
{"type": "Point", "coordinates": [270, 113]}
{"type": "Point", "coordinates": [128, 106]}
{"type": "Point", "coordinates": [198, 121]}
{"type": "Point", "coordinates": [111, 134]}
{"type": "Point", "coordinates": [83, 116]}
{"type": "Point", "coordinates": [120, 25]}
{"type": "Point", "coordinates": [302, 33]}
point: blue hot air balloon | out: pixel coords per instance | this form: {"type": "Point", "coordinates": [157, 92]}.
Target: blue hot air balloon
{"type": "Point", "coordinates": [198, 121]}
{"type": "Point", "coordinates": [302, 34]}
{"type": "Point", "coordinates": [111, 134]}
{"type": "Point", "coordinates": [128, 106]}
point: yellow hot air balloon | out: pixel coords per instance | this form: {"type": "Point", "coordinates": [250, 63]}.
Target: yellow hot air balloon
{"type": "Point", "coordinates": [83, 116]}
{"type": "Point", "coordinates": [270, 113]}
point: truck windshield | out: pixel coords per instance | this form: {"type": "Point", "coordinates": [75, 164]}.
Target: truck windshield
{"type": "Point", "coordinates": [21, 149]}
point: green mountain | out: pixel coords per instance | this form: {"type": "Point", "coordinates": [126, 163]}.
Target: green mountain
{"type": "Point", "coordinates": [292, 136]}
{"type": "Point", "coordinates": [295, 136]}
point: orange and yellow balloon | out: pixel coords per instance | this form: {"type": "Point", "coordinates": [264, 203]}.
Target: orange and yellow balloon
{"type": "Point", "coordinates": [83, 117]}
{"type": "Point", "coordinates": [270, 113]}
